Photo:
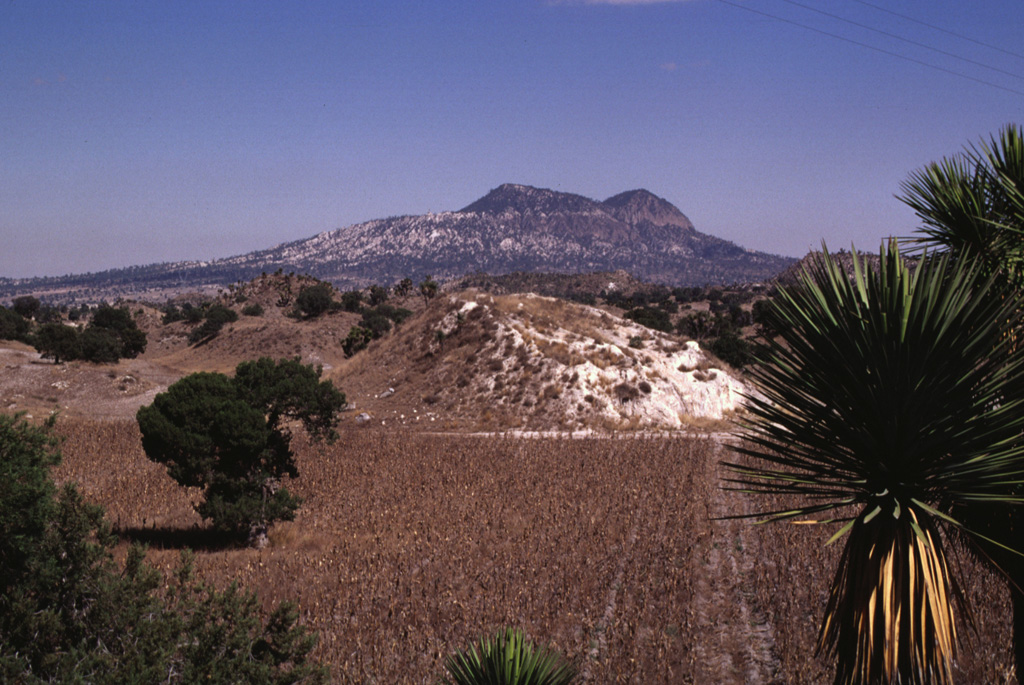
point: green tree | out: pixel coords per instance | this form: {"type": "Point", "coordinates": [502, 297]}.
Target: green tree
{"type": "Point", "coordinates": [890, 401]}
{"type": "Point", "coordinates": [403, 288]}
{"type": "Point", "coordinates": [69, 613]}
{"type": "Point", "coordinates": [13, 326]}
{"type": "Point", "coordinates": [116, 322]}
{"type": "Point", "coordinates": [26, 306]}
{"type": "Point", "coordinates": [57, 342]}
{"type": "Point", "coordinates": [428, 289]}
{"type": "Point", "coordinates": [314, 300]}
{"type": "Point", "coordinates": [227, 436]}
{"type": "Point", "coordinates": [378, 295]}
{"type": "Point", "coordinates": [215, 318]}
{"type": "Point", "coordinates": [658, 319]}
{"type": "Point", "coordinates": [357, 339]}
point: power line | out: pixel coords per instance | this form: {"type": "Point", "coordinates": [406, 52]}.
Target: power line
{"type": "Point", "coordinates": [941, 30]}
{"type": "Point", "coordinates": [872, 47]}
{"type": "Point", "coordinates": [901, 38]}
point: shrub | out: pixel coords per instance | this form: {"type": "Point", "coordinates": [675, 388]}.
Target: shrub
{"type": "Point", "coordinates": [658, 319]}
{"type": "Point", "coordinates": [508, 658]}
{"type": "Point", "coordinates": [314, 300]}
{"type": "Point", "coordinates": [254, 309]}
{"type": "Point", "coordinates": [358, 338]}
{"type": "Point", "coordinates": [69, 613]}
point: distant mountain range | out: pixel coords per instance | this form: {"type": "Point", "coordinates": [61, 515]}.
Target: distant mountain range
{"type": "Point", "coordinates": [512, 228]}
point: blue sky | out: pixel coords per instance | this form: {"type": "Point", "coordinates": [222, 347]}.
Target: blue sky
{"type": "Point", "coordinates": [139, 132]}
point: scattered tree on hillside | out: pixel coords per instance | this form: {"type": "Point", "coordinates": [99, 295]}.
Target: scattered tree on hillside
{"type": "Point", "coordinates": [314, 300]}
{"type": "Point", "coordinates": [658, 319]}
{"type": "Point", "coordinates": [215, 318]}
{"type": "Point", "coordinates": [428, 289]}
{"type": "Point", "coordinates": [26, 306]}
{"type": "Point", "coordinates": [227, 436]}
{"type": "Point", "coordinates": [357, 339]}
{"type": "Point", "coordinates": [118, 322]}
{"type": "Point", "coordinates": [13, 326]}
{"type": "Point", "coordinates": [69, 613]}
{"type": "Point", "coordinates": [378, 295]}
{"type": "Point", "coordinates": [352, 300]}
{"type": "Point", "coordinates": [403, 288]}
{"type": "Point", "coordinates": [57, 342]}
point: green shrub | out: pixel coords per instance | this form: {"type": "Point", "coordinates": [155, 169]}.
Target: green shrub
{"type": "Point", "coordinates": [254, 309]}
{"type": "Point", "coordinates": [508, 658]}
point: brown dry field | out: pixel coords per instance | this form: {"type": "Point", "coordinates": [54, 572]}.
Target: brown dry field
{"type": "Point", "coordinates": [411, 545]}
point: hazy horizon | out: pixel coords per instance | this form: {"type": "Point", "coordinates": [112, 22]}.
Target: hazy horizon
{"type": "Point", "coordinates": [139, 133]}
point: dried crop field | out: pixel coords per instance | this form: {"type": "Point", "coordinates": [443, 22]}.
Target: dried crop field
{"type": "Point", "coordinates": [409, 546]}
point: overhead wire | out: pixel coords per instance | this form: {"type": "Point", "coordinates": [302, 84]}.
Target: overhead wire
{"type": "Point", "coordinates": [941, 30]}
{"type": "Point", "coordinates": [902, 39]}
{"type": "Point", "coordinates": [883, 51]}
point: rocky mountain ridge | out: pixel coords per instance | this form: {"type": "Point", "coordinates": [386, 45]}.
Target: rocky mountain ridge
{"type": "Point", "coordinates": [512, 228]}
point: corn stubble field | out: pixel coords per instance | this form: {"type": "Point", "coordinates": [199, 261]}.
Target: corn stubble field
{"type": "Point", "coordinates": [409, 546]}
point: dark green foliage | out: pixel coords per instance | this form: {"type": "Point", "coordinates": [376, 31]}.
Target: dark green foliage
{"type": "Point", "coordinates": [254, 309]}
{"type": "Point", "coordinates": [699, 325]}
{"type": "Point", "coordinates": [26, 306]}
{"type": "Point", "coordinates": [352, 300]}
{"type": "Point", "coordinates": [891, 400]}
{"type": "Point", "coordinates": [99, 345]}
{"type": "Point", "coordinates": [658, 319]}
{"type": "Point", "coordinates": [732, 349]}
{"type": "Point", "coordinates": [375, 322]}
{"type": "Point", "coordinates": [68, 613]}
{"type": "Point", "coordinates": [226, 435]}
{"type": "Point", "coordinates": [357, 339]}
{"type": "Point", "coordinates": [57, 342]}
{"type": "Point", "coordinates": [314, 300]}
{"type": "Point", "coordinates": [378, 295]}
{"type": "Point", "coordinates": [761, 316]}
{"type": "Point", "coordinates": [403, 287]}
{"type": "Point", "coordinates": [116, 322]}
{"type": "Point", "coordinates": [428, 289]}
{"type": "Point", "coordinates": [508, 658]}
{"type": "Point", "coordinates": [13, 326]}
{"type": "Point", "coordinates": [215, 318]}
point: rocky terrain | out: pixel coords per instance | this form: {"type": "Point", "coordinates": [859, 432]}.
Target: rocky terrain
{"type": "Point", "coordinates": [512, 228]}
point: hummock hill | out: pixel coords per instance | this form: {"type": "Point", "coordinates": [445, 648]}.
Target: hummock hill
{"type": "Point", "coordinates": [512, 228]}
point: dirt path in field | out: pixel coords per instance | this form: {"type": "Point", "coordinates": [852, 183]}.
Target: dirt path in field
{"type": "Point", "coordinates": [735, 642]}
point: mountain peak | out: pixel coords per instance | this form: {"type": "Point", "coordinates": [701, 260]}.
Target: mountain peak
{"type": "Point", "coordinates": [635, 206]}
{"type": "Point", "coordinates": [513, 197]}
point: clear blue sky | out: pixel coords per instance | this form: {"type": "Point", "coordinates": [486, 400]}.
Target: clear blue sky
{"type": "Point", "coordinates": [138, 132]}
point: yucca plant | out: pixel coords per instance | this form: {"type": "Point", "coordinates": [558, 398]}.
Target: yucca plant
{"type": "Point", "coordinates": [508, 658]}
{"type": "Point", "coordinates": [972, 204]}
{"type": "Point", "coordinates": [972, 207]}
{"type": "Point", "coordinates": [889, 403]}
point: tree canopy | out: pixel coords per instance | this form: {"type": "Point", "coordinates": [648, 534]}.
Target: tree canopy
{"type": "Point", "coordinates": [227, 435]}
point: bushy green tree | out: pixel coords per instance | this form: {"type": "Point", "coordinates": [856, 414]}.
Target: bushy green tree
{"type": "Point", "coordinates": [651, 317]}
{"type": "Point", "coordinates": [57, 342]}
{"type": "Point", "coordinates": [13, 326]}
{"type": "Point", "coordinates": [403, 287]}
{"type": "Point", "coordinates": [428, 289]}
{"type": "Point", "coordinates": [26, 306]}
{"type": "Point", "coordinates": [357, 339]}
{"type": "Point", "coordinates": [214, 319]}
{"type": "Point", "coordinates": [69, 613]}
{"type": "Point", "coordinates": [227, 436]}
{"type": "Point", "coordinates": [314, 300]}
{"type": "Point", "coordinates": [378, 295]}
{"type": "Point", "coordinates": [118, 322]}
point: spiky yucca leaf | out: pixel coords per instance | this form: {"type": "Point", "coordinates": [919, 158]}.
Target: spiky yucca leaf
{"type": "Point", "coordinates": [508, 658]}
{"type": "Point", "coordinates": [890, 402]}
